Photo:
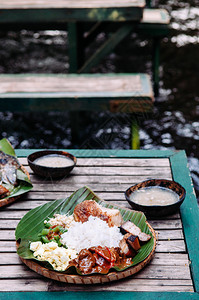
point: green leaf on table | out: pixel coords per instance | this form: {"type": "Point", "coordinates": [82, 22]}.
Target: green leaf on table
{"type": "Point", "coordinates": [6, 147]}
{"type": "Point", "coordinates": [33, 222]}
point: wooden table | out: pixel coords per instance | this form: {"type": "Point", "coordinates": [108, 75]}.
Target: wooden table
{"type": "Point", "coordinates": [109, 173]}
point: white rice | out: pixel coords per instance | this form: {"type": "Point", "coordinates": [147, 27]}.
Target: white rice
{"type": "Point", "coordinates": [94, 232]}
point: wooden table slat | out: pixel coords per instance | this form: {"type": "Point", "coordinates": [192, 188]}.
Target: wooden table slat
{"type": "Point", "coordinates": [92, 162]}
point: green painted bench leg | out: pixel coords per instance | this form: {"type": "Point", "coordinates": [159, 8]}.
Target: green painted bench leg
{"type": "Point", "coordinates": [135, 139]}
{"type": "Point", "coordinates": [76, 57]}
{"type": "Point", "coordinates": [148, 3]}
{"type": "Point", "coordinates": [156, 62]}
{"type": "Point", "coordinates": [76, 46]}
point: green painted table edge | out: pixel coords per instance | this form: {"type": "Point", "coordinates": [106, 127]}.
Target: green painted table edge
{"type": "Point", "coordinates": [189, 214]}
{"type": "Point", "coordinates": [114, 14]}
{"type": "Point", "coordinates": [99, 295]}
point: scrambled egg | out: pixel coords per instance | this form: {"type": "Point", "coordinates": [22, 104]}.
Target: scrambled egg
{"type": "Point", "coordinates": [58, 257]}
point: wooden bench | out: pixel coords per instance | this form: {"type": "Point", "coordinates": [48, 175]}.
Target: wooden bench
{"type": "Point", "coordinates": [123, 16]}
{"type": "Point", "coordinates": [116, 93]}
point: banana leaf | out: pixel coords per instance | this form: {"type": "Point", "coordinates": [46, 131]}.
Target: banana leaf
{"type": "Point", "coordinates": [33, 222]}
{"type": "Point", "coordinates": [25, 184]}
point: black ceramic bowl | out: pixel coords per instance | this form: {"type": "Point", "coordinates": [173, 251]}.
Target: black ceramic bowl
{"type": "Point", "coordinates": [52, 171]}
{"type": "Point", "coordinates": [157, 210]}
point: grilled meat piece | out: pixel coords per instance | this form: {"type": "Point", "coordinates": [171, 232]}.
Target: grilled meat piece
{"type": "Point", "coordinates": [86, 261]}
{"type": "Point", "coordinates": [133, 241]}
{"type": "Point", "coordinates": [129, 227]}
{"type": "Point", "coordinates": [100, 260]}
{"type": "Point", "coordinates": [89, 208]}
{"type": "Point", "coordinates": [125, 249]}
{"type": "Point", "coordinates": [4, 192]}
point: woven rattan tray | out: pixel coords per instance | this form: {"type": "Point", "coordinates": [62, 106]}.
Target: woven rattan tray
{"type": "Point", "coordinates": [91, 279]}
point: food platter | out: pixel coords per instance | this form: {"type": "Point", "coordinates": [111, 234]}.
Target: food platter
{"type": "Point", "coordinates": [28, 227]}
{"type": "Point", "coordinates": [92, 279]}
{"type": "Point", "coordinates": [22, 176]}
{"type": "Point", "coordinates": [9, 200]}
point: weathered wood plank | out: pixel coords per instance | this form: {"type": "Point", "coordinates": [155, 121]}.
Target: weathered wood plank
{"type": "Point", "coordinates": [132, 284]}
{"type": "Point", "coordinates": [111, 188]}
{"type": "Point", "coordinates": [115, 171]}
{"type": "Point", "coordinates": [17, 271]}
{"type": "Point", "coordinates": [24, 285]}
{"type": "Point", "coordinates": [166, 224]}
{"type": "Point", "coordinates": [29, 285]}
{"type": "Point", "coordinates": [161, 259]}
{"type": "Point", "coordinates": [87, 180]}
{"type": "Point", "coordinates": [23, 4]}
{"type": "Point", "coordinates": [153, 272]}
{"type": "Point", "coordinates": [78, 85]}
{"type": "Point", "coordinates": [155, 16]}
{"type": "Point", "coordinates": [170, 234]}
{"type": "Point", "coordinates": [170, 259]}
{"type": "Point", "coordinates": [10, 258]}
{"type": "Point", "coordinates": [115, 162]}
{"type": "Point", "coordinates": [172, 246]}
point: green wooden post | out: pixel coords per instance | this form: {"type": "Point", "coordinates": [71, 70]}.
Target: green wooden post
{"type": "Point", "coordinates": [148, 3]}
{"type": "Point", "coordinates": [135, 139]}
{"type": "Point", "coordinates": [76, 57]}
{"type": "Point", "coordinates": [76, 46]}
{"type": "Point", "coordinates": [75, 128]}
{"type": "Point", "coordinates": [156, 62]}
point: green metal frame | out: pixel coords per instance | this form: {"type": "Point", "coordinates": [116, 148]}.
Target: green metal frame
{"type": "Point", "coordinates": [190, 218]}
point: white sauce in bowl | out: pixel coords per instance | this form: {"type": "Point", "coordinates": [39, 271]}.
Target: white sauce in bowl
{"type": "Point", "coordinates": [54, 161]}
{"type": "Point", "coordinates": [154, 195]}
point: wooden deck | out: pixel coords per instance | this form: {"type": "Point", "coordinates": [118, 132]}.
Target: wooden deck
{"type": "Point", "coordinates": [109, 178]}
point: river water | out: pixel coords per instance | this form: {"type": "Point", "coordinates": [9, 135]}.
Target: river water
{"type": "Point", "coordinates": [174, 123]}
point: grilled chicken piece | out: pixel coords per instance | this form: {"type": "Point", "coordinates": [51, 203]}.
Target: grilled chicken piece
{"type": "Point", "coordinates": [89, 208]}
{"type": "Point", "coordinates": [4, 192]}
{"type": "Point", "coordinates": [129, 227]}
